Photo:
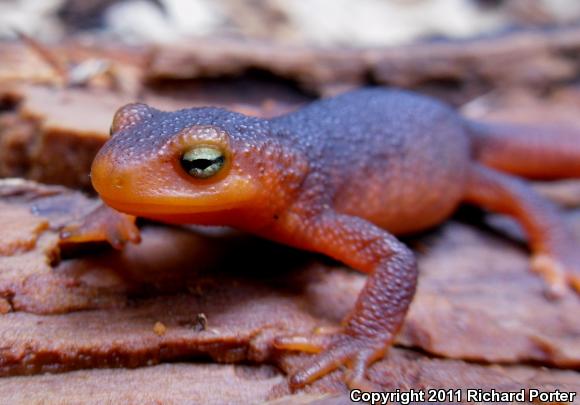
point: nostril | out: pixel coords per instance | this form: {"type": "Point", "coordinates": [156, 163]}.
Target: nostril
{"type": "Point", "coordinates": [117, 182]}
{"type": "Point", "coordinates": [106, 179]}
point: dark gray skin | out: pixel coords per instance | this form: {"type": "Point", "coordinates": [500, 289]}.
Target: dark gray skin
{"type": "Point", "coordinates": [389, 174]}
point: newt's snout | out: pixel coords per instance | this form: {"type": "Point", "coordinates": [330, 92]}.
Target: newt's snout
{"type": "Point", "coordinates": [108, 179]}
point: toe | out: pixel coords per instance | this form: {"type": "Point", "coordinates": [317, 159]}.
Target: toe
{"type": "Point", "coordinates": [121, 231]}
{"type": "Point", "coordinates": [359, 366]}
{"type": "Point", "coordinates": [310, 344]}
{"type": "Point", "coordinates": [574, 280]}
{"type": "Point", "coordinates": [322, 365]}
{"type": "Point", "coordinates": [553, 273]}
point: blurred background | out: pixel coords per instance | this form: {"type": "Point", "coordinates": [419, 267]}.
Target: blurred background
{"type": "Point", "coordinates": [360, 23]}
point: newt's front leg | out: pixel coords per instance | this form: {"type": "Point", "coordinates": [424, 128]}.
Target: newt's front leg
{"type": "Point", "coordinates": [369, 330]}
{"type": "Point", "coordinates": [103, 224]}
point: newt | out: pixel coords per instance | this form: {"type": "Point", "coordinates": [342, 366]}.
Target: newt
{"type": "Point", "coordinates": [341, 176]}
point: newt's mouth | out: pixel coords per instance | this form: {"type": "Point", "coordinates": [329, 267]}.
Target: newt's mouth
{"type": "Point", "coordinates": [148, 209]}
{"type": "Point", "coordinates": [151, 190]}
{"type": "Point", "coordinates": [175, 196]}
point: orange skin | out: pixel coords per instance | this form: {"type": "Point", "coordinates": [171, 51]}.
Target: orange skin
{"type": "Point", "coordinates": [340, 177]}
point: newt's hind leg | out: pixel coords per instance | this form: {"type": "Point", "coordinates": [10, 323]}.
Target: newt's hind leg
{"type": "Point", "coordinates": [556, 251]}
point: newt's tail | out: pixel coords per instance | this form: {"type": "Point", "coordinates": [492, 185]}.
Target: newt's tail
{"type": "Point", "coordinates": [536, 152]}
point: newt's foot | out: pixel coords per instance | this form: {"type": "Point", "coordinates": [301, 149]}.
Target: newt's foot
{"type": "Point", "coordinates": [103, 224]}
{"type": "Point", "coordinates": [334, 351]}
{"type": "Point", "coordinates": [558, 274]}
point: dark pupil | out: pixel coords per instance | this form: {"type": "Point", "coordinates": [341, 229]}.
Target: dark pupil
{"type": "Point", "coordinates": [200, 164]}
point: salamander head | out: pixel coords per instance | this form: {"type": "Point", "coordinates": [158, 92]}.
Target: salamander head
{"type": "Point", "coordinates": [179, 165]}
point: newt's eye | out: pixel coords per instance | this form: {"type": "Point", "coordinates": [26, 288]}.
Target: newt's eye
{"type": "Point", "coordinates": [202, 162]}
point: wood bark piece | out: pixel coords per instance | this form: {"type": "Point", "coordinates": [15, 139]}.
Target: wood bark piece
{"type": "Point", "coordinates": [164, 384]}
{"type": "Point", "coordinates": [100, 64]}
{"type": "Point", "coordinates": [479, 300]}
{"type": "Point", "coordinates": [52, 135]}
{"type": "Point", "coordinates": [455, 70]}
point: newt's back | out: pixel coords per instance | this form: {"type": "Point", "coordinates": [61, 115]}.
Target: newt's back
{"type": "Point", "coordinates": [391, 156]}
